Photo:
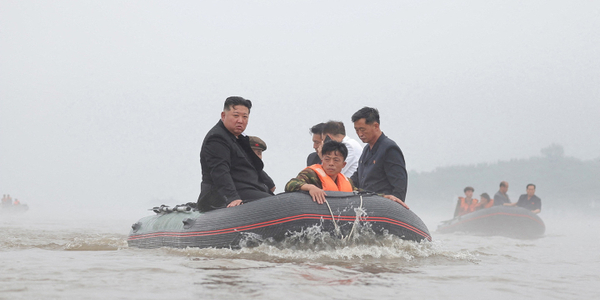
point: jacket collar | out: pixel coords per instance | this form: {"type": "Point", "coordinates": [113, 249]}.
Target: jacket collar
{"type": "Point", "coordinates": [379, 141]}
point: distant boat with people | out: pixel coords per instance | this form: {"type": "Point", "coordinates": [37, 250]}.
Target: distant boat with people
{"type": "Point", "coordinates": [8, 206]}
{"type": "Point", "coordinates": [275, 218]}
{"type": "Point", "coordinates": [514, 222]}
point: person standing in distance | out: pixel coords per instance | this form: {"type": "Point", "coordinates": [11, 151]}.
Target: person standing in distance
{"type": "Point", "coordinates": [231, 171]}
{"type": "Point", "coordinates": [381, 167]}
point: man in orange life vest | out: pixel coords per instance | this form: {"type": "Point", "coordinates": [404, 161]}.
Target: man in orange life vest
{"type": "Point", "coordinates": [466, 204]}
{"type": "Point", "coordinates": [318, 178]}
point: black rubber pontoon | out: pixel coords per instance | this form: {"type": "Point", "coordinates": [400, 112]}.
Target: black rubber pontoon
{"type": "Point", "coordinates": [275, 217]}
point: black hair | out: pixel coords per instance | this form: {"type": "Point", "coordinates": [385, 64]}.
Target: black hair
{"type": "Point", "coordinates": [531, 184]}
{"type": "Point", "coordinates": [334, 127]}
{"type": "Point", "coordinates": [469, 188]}
{"type": "Point", "coordinates": [317, 129]}
{"type": "Point", "coordinates": [236, 100]}
{"type": "Point", "coordinates": [486, 196]}
{"type": "Point", "coordinates": [368, 113]}
{"type": "Point", "coordinates": [333, 146]}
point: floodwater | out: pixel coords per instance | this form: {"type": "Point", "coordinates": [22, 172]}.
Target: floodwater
{"type": "Point", "coordinates": [48, 256]}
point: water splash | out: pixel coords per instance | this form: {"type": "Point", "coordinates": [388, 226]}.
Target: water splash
{"type": "Point", "coordinates": [316, 245]}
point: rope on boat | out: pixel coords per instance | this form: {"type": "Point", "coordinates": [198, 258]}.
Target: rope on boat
{"type": "Point", "coordinates": [166, 209]}
{"type": "Point", "coordinates": [337, 228]}
{"type": "Point", "coordinates": [355, 220]}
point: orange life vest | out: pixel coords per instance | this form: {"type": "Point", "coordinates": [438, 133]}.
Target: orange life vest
{"type": "Point", "coordinates": [465, 207]}
{"type": "Point", "coordinates": [342, 184]}
{"type": "Point", "coordinates": [488, 205]}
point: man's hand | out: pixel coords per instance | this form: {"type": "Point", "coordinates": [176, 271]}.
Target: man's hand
{"type": "Point", "coordinates": [317, 194]}
{"type": "Point", "coordinates": [396, 199]}
{"type": "Point", "coordinates": [273, 190]}
{"type": "Point", "coordinates": [235, 203]}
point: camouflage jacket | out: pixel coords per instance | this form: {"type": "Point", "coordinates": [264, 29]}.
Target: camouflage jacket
{"type": "Point", "coordinates": [307, 176]}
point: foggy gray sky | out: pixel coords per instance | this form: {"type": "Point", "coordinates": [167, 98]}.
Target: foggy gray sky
{"type": "Point", "coordinates": [109, 101]}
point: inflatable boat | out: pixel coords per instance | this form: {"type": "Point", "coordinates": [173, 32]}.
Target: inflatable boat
{"type": "Point", "coordinates": [275, 218]}
{"type": "Point", "coordinates": [515, 222]}
{"type": "Point", "coordinates": [13, 209]}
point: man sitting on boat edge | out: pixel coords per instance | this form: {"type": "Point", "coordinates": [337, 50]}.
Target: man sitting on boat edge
{"type": "Point", "coordinates": [529, 200]}
{"type": "Point", "coordinates": [327, 176]}
{"type": "Point", "coordinates": [231, 172]}
{"type": "Point", "coordinates": [317, 179]}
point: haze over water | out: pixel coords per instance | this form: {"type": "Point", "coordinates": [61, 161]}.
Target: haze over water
{"type": "Point", "coordinates": [103, 108]}
{"type": "Point", "coordinates": [109, 102]}
{"type": "Point", "coordinates": [61, 256]}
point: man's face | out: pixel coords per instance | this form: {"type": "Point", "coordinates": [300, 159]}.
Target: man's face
{"type": "Point", "coordinates": [469, 193]}
{"type": "Point", "coordinates": [504, 189]}
{"type": "Point", "coordinates": [258, 152]}
{"type": "Point", "coordinates": [236, 119]}
{"type": "Point", "coordinates": [367, 133]}
{"type": "Point", "coordinates": [333, 163]}
{"type": "Point", "coordinates": [530, 191]}
{"type": "Point", "coordinates": [317, 140]}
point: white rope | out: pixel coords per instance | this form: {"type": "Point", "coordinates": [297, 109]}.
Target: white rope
{"type": "Point", "coordinates": [355, 220]}
{"type": "Point", "coordinates": [337, 228]}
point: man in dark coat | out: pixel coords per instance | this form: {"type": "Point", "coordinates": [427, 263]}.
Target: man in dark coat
{"type": "Point", "coordinates": [259, 146]}
{"type": "Point", "coordinates": [317, 139]}
{"type": "Point", "coordinates": [381, 166]}
{"type": "Point", "coordinates": [529, 201]}
{"type": "Point", "coordinates": [231, 171]}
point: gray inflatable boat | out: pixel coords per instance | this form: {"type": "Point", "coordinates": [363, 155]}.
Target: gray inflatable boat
{"type": "Point", "coordinates": [275, 218]}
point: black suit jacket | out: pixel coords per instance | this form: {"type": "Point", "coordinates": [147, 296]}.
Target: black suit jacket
{"type": "Point", "coordinates": [382, 169]}
{"type": "Point", "coordinates": [229, 166]}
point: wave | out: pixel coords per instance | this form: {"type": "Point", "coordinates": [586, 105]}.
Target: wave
{"type": "Point", "coordinates": [20, 239]}
{"type": "Point", "coordinates": [315, 245]}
